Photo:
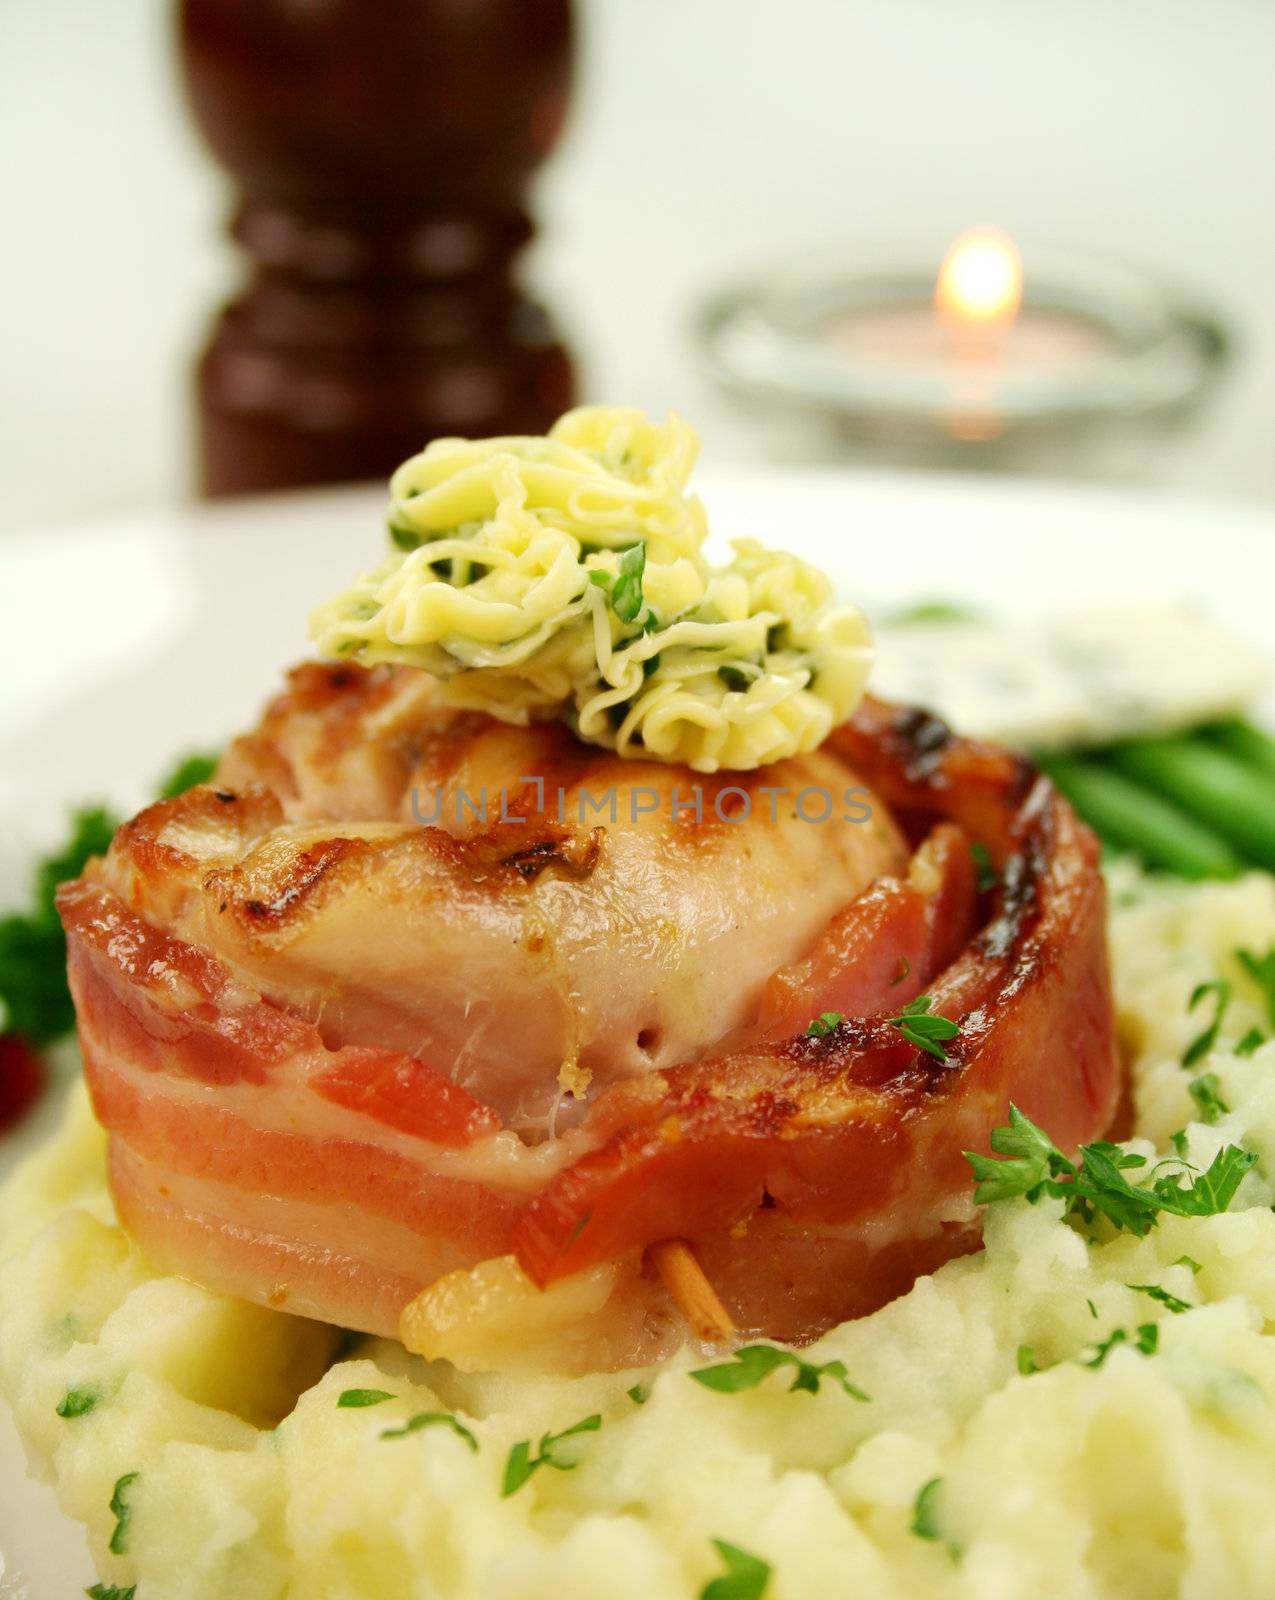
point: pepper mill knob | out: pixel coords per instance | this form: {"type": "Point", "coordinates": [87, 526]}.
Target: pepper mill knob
{"type": "Point", "coordinates": [382, 151]}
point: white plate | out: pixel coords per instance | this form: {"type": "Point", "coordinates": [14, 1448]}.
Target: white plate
{"type": "Point", "coordinates": [131, 641]}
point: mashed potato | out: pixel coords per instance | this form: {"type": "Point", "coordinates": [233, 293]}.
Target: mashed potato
{"type": "Point", "coordinates": [965, 1474]}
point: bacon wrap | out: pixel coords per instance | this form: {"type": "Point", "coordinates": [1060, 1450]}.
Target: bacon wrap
{"type": "Point", "coordinates": [858, 1135]}
{"type": "Point", "coordinates": [259, 977]}
{"type": "Point", "coordinates": [241, 1146]}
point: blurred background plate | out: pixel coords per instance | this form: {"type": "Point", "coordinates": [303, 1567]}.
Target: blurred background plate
{"type": "Point", "coordinates": [134, 640]}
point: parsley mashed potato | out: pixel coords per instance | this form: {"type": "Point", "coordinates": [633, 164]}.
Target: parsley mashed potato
{"type": "Point", "coordinates": [565, 576]}
{"type": "Point", "coordinates": [1075, 1411]}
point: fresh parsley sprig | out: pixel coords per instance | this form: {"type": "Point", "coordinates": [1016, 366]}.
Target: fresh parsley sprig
{"type": "Point", "coordinates": [823, 1024]}
{"type": "Point", "coordinates": [924, 1030]}
{"type": "Point", "coordinates": [35, 1003]}
{"type": "Point", "coordinates": [34, 1000]}
{"type": "Point", "coordinates": [1033, 1166]}
{"type": "Point", "coordinates": [755, 1362]}
{"type": "Point", "coordinates": [197, 767]}
{"type": "Point", "coordinates": [522, 1464]}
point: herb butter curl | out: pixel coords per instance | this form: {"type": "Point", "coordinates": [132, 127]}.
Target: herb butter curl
{"type": "Point", "coordinates": [565, 576]}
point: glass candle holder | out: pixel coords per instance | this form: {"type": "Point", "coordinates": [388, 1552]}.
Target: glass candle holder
{"type": "Point", "coordinates": [1075, 346]}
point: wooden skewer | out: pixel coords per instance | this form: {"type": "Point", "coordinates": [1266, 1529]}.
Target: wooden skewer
{"type": "Point", "coordinates": [693, 1295]}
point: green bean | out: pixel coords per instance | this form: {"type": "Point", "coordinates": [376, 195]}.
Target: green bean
{"type": "Point", "coordinates": [1253, 746]}
{"type": "Point", "coordinates": [1132, 818]}
{"type": "Point", "coordinates": [1216, 788]}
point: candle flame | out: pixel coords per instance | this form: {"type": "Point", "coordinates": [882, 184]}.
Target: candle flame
{"type": "Point", "coordinates": [980, 284]}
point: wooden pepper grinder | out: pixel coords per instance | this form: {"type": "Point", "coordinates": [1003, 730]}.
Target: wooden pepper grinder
{"type": "Point", "coordinates": [382, 149]}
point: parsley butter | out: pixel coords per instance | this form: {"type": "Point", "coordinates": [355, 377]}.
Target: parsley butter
{"type": "Point", "coordinates": [565, 577]}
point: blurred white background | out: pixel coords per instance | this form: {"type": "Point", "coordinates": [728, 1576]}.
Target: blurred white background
{"type": "Point", "coordinates": [708, 135]}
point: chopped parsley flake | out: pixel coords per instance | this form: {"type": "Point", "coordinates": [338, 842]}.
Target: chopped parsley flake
{"type": "Point", "coordinates": [1027, 1360]}
{"type": "Point", "coordinates": [521, 1463]}
{"type": "Point", "coordinates": [1210, 1104]}
{"type": "Point", "coordinates": [1154, 1291]}
{"type": "Point", "coordinates": [905, 969]}
{"type": "Point", "coordinates": [432, 1419]}
{"type": "Point", "coordinates": [639, 1394]}
{"type": "Point", "coordinates": [110, 1591]}
{"type": "Point", "coordinates": [918, 1027]}
{"type": "Point", "coordinates": [580, 1226]}
{"type": "Point", "coordinates": [1253, 1040]}
{"type": "Point", "coordinates": [1035, 1166]}
{"type": "Point", "coordinates": [1204, 1042]}
{"type": "Point", "coordinates": [736, 678]}
{"type": "Point", "coordinates": [823, 1024]}
{"type": "Point", "coordinates": [1262, 971]}
{"type": "Point", "coordinates": [122, 1512]}
{"type": "Point", "coordinates": [934, 611]}
{"type": "Point", "coordinates": [925, 1513]}
{"type": "Point", "coordinates": [1147, 1342]}
{"type": "Point", "coordinates": [754, 1362]}
{"type": "Point", "coordinates": [352, 1399]}
{"type": "Point", "coordinates": [77, 1402]}
{"type": "Point", "coordinates": [987, 876]}
{"type": "Point", "coordinates": [745, 1578]}
{"type": "Point", "coordinates": [626, 591]}
{"type": "Point", "coordinates": [1195, 1266]}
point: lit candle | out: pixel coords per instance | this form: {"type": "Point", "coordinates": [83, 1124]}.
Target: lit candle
{"type": "Point", "coordinates": [980, 284]}
{"type": "Point", "coordinates": [989, 350]}
{"type": "Point", "coordinates": [974, 336]}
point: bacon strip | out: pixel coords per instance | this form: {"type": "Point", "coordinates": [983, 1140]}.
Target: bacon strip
{"type": "Point", "coordinates": [885, 946]}
{"type": "Point", "coordinates": [860, 1131]}
{"type": "Point", "coordinates": [201, 1081]}
{"type": "Point", "coordinates": [266, 1139]}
